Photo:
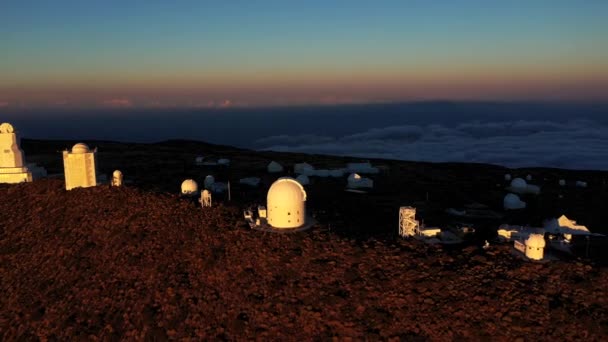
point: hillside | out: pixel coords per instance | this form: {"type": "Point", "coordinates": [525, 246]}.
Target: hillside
{"type": "Point", "coordinates": [141, 262]}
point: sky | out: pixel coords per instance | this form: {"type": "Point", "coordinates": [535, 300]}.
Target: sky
{"type": "Point", "coordinates": [163, 54]}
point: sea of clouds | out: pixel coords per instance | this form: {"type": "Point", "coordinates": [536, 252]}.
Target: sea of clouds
{"type": "Point", "coordinates": [574, 144]}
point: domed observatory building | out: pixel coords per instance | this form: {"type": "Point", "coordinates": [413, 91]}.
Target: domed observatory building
{"type": "Point", "coordinates": [12, 165]}
{"type": "Point", "coordinates": [286, 204]}
{"type": "Point", "coordinates": [80, 167]}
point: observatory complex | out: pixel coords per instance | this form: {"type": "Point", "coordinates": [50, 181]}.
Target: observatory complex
{"type": "Point", "coordinates": [12, 165]}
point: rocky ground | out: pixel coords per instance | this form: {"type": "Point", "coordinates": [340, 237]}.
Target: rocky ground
{"type": "Point", "coordinates": [139, 262]}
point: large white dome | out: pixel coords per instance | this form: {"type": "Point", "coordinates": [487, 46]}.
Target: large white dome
{"type": "Point", "coordinates": [80, 148]}
{"type": "Point", "coordinates": [286, 203]}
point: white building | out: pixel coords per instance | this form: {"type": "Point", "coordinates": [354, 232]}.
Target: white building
{"type": "Point", "coordinates": [535, 247]}
{"type": "Point", "coordinates": [12, 165]}
{"type": "Point", "coordinates": [286, 204]}
{"type": "Point", "coordinates": [80, 167]}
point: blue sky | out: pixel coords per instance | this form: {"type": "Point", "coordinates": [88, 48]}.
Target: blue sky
{"type": "Point", "coordinates": [212, 50]}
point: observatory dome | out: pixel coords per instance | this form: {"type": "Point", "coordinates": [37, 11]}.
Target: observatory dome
{"type": "Point", "coordinates": [80, 148]}
{"type": "Point", "coordinates": [208, 182]}
{"type": "Point", "coordinates": [512, 201]}
{"type": "Point", "coordinates": [519, 183]}
{"type": "Point", "coordinates": [117, 173]}
{"type": "Point", "coordinates": [286, 201]}
{"type": "Point", "coordinates": [536, 241]}
{"type": "Point", "coordinates": [189, 187]}
{"type": "Point", "coordinates": [303, 179]}
{"type": "Point", "coordinates": [507, 177]}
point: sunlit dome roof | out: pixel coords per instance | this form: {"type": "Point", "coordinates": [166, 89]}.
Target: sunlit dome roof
{"type": "Point", "coordinates": [536, 240]}
{"type": "Point", "coordinates": [286, 190]}
{"type": "Point", "coordinates": [80, 148]}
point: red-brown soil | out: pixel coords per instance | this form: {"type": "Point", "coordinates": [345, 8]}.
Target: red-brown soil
{"type": "Point", "coordinates": [140, 263]}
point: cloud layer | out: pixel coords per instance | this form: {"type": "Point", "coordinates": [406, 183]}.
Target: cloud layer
{"type": "Point", "coordinates": [575, 144]}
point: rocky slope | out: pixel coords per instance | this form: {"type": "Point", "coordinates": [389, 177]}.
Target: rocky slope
{"type": "Point", "coordinates": [140, 263]}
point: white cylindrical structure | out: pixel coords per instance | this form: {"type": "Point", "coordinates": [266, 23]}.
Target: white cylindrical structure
{"type": "Point", "coordinates": [535, 247]}
{"type": "Point", "coordinates": [286, 204]}
{"type": "Point", "coordinates": [117, 178]}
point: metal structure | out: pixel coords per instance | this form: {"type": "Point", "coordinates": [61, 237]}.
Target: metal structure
{"type": "Point", "coordinates": [408, 225]}
{"type": "Point", "coordinates": [205, 198]}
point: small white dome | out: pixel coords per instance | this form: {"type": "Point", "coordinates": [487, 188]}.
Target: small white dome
{"type": "Point", "coordinates": [536, 241]}
{"type": "Point", "coordinates": [353, 177]}
{"type": "Point", "coordinates": [189, 187]}
{"type": "Point", "coordinates": [302, 168]}
{"type": "Point", "coordinates": [512, 201]}
{"type": "Point", "coordinates": [303, 179]}
{"type": "Point", "coordinates": [80, 148]}
{"type": "Point", "coordinates": [209, 180]}
{"type": "Point", "coordinates": [519, 183]}
{"type": "Point", "coordinates": [117, 173]}
{"type": "Point", "coordinates": [6, 127]}
{"type": "Point", "coordinates": [507, 177]}
{"type": "Point", "coordinates": [562, 182]}
{"type": "Point", "coordinates": [274, 167]}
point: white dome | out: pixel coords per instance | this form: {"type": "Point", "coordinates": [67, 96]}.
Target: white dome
{"type": "Point", "coordinates": [209, 180]}
{"type": "Point", "coordinates": [512, 201]}
{"type": "Point", "coordinates": [302, 168]}
{"type": "Point", "coordinates": [507, 177]}
{"type": "Point", "coordinates": [189, 187]}
{"type": "Point", "coordinates": [519, 183]}
{"type": "Point", "coordinates": [80, 148]}
{"type": "Point", "coordinates": [536, 240]}
{"type": "Point", "coordinates": [303, 179]}
{"type": "Point", "coordinates": [117, 173]}
{"type": "Point", "coordinates": [286, 203]}
{"type": "Point", "coordinates": [6, 127]}
{"type": "Point", "coordinates": [274, 167]}
{"type": "Point", "coordinates": [562, 182]}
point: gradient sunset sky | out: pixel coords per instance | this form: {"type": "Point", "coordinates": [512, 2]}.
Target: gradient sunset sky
{"type": "Point", "coordinates": [258, 53]}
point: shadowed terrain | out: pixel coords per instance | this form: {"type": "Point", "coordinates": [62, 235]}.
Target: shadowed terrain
{"type": "Point", "coordinates": [139, 262]}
